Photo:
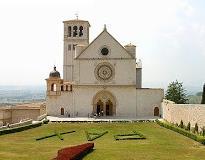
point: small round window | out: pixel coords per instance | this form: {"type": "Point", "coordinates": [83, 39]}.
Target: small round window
{"type": "Point", "coordinates": [104, 51]}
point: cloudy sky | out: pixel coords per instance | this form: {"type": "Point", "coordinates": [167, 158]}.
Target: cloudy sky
{"type": "Point", "coordinates": [170, 35]}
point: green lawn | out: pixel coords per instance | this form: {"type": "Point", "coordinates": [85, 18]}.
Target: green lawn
{"type": "Point", "coordinates": [161, 143]}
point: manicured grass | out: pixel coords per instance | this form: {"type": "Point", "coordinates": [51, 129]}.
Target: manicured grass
{"type": "Point", "coordinates": [160, 143]}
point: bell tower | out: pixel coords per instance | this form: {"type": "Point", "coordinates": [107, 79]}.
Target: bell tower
{"type": "Point", "coordinates": [76, 32]}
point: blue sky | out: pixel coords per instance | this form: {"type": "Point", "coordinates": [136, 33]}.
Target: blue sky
{"type": "Point", "coordinates": [170, 35]}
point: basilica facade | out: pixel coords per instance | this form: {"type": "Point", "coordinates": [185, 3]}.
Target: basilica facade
{"type": "Point", "coordinates": [101, 78]}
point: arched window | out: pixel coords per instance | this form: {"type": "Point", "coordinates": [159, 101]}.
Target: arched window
{"type": "Point", "coordinates": [62, 111]}
{"type": "Point", "coordinates": [62, 88]}
{"type": "Point", "coordinates": [75, 28]}
{"type": "Point", "coordinates": [71, 87]}
{"type": "Point", "coordinates": [53, 87]}
{"type": "Point", "coordinates": [81, 31]}
{"type": "Point", "coordinates": [69, 31]}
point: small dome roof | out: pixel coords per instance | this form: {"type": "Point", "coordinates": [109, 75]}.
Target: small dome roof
{"type": "Point", "coordinates": [54, 73]}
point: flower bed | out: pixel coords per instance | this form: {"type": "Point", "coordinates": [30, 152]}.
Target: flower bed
{"type": "Point", "coordinates": [75, 152]}
{"type": "Point", "coordinates": [131, 136]}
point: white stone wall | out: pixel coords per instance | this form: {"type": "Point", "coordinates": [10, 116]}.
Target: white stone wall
{"type": "Point", "coordinates": [147, 100]}
{"type": "Point", "coordinates": [193, 113]}
{"type": "Point", "coordinates": [79, 102]}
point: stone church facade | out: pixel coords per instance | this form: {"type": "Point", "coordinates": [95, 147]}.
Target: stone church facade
{"type": "Point", "coordinates": [100, 78]}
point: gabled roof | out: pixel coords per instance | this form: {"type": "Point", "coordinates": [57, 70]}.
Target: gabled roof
{"type": "Point", "coordinates": [105, 30]}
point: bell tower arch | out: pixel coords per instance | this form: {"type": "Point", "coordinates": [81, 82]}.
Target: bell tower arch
{"type": "Point", "coordinates": [76, 32]}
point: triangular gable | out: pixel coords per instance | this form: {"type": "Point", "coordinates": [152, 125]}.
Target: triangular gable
{"type": "Point", "coordinates": [104, 39]}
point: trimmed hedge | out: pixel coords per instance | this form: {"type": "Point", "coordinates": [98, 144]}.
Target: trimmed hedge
{"type": "Point", "coordinates": [92, 136]}
{"type": "Point", "coordinates": [195, 137]}
{"type": "Point", "coordinates": [130, 136]}
{"type": "Point", "coordinates": [45, 121]}
{"type": "Point", "coordinates": [19, 129]}
{"type": "Point", "coordinates": [54, 134]}
{"type": "Point", "coordinates": [75, 152]}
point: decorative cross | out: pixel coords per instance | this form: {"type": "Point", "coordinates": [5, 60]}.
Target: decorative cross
{"type": "Point", "coordinates": [76, 14]}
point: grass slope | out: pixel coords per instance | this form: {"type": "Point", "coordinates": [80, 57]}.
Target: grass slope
{"type": "Point", "coordinates": [161, 143]}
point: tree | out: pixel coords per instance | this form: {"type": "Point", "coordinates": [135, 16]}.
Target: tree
{"type": "Point", "coordinates": [176, 93]}
{"type": "Point", "coordinates": [203, 95]}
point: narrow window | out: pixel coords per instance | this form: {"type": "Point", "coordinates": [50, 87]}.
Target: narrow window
{"type": "Point", "coordinates": [62, 88]}
{"type": "Point", "coordinates": [75, 28]}
{"type": "Point", "coordinates": [71, 87]}
{"type": "Point", "coordinates": [66, 87]}
{"type": "Point", "coordinates": [81, 31]}
{"type": "Point", "coordinates": [69, 31]}
{"type": "Point", "coordinates": [69, 47]}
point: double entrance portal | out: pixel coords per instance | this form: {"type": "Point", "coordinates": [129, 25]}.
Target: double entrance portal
{"type": "Point", "coordinates": [104, 109]}
{"type": "Point", "coordinates": [104, 104]}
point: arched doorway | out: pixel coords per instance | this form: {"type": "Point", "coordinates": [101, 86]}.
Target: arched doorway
{"type": "Point", "coordinates": [104, 104]}
{"type": "Point", "coordinates": [62, 111]}
{"type": "Point", "coordinates": [156, 111]}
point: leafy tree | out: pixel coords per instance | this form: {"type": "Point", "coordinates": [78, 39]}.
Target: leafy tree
{"type": "Point", "coordinates": [176, 93]}
{"type": "Point", "coordinates": [203, 95]}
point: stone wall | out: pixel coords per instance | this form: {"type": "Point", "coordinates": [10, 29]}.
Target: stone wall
{"type": "Point", "coordinates": [193, 113]}
{"type": "Point", "coordinates": [20, 114]}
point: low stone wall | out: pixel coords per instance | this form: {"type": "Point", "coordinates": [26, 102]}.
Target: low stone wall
{"type": "Point", "coordinates": [193, 113]}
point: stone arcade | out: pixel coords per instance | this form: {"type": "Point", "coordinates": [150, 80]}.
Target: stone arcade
{"type": "Point", "coordinates": [99, 78]}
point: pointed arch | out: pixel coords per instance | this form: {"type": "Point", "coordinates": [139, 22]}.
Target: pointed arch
{"type": "Point", "coordinates": [107, 98]}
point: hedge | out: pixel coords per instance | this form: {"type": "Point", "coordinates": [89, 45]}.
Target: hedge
{"type": "Point", "coordinates": [45, 121]}
{"type": "Point", "coordinates": [195, 137]}
{"type": "Point", "coordinates": [75, 152]}
{"type": "Point", "coordinates": [95, 135]}
{"type": "Point", "coordinates": [19, 129]}
{"type": "Point", "coordinates": [54, 134]}
{"type": "Point", "coordinates": [130, 136]}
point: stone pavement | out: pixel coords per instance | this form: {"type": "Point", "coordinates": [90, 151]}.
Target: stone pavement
{"type": "Point", "coordinates": [100, 119]}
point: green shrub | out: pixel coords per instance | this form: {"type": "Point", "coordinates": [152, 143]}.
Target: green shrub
{"type": "Point", "coordinates": [181, 125]}
{"type": "Point", "coordinates": [45, 121]}
{"type": "Point", "coordinates": [188, 126]}
{"type": "Point", "coordinates": [19, 129]}
{"type": "Point", "coordinates": [196, 128]}
{"type": "Point", "coordinates": [182, 131]}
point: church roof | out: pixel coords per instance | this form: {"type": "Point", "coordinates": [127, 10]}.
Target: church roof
{"type": "Point", "coordinates": [104, 30]}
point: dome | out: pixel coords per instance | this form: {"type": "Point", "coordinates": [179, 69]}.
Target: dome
{"type": "Point", "coordinates": [54, 73]}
